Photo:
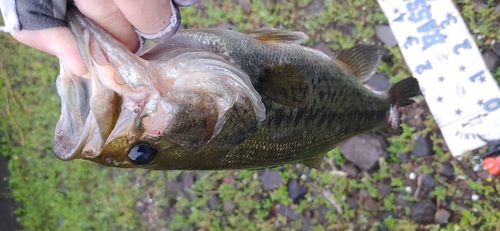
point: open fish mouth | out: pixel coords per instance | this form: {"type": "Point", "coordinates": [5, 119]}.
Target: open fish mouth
{"type": "Point", "coordinates": [72, 131]}
{"type": "Point", "coordinates": [89, 109]}
{"type": "Point", "coordinates": [88, 117]}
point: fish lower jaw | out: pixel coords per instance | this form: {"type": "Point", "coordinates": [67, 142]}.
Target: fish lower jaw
{"type": "Point", "coordinates": [70, 145]}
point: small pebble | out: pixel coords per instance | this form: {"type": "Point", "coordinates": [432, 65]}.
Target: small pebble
{"type": "Point", "coordinates": [408, 189]}
{"type": "Point", "coordinates": [442, 216]}
{"type": "Point", "coordinates": [474, 197]}
{"type": "Point", "coordinates": [412, 176]}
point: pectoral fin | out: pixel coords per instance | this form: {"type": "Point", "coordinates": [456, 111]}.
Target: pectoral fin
{"type": "Point", "coordinates": [314, 162]}
{"type": "Point", "coordinates": [283, 83]}
{"type": "Point", "coordinates": [361, 59]}
{"type": "Point", "coordinates": [277, 36]}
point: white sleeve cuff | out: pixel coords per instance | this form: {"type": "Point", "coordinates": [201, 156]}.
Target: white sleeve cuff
{"type": "Point", "coordinates": [9, 14]}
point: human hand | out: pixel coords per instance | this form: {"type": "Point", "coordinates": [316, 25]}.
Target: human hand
{"type": "Point", "coordinates": [42, 25]}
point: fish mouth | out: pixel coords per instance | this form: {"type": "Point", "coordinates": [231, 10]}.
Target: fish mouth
{"type": "Point", "coordinates": [72, 130]}
{"type": "Point", "coordinates": [89, 116]}
{"type": "Point", "coordinates": [91, 104]}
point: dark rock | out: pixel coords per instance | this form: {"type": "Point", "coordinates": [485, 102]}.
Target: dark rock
{"type": "Point", "coordinates": [384, 188]}
{"type": "Point", "coordinates": [371, 204]}
{"type": "Point", "coordinates": [423, 146]}
{"type": "Point", "coordinates": [352, 203]}
{"type": "Point", "coordinates": [321, 46]}
{"type": "Point", "coordinates": [423, 212]}
{"type": "Point", "coordinates": [322, 216]}
{"type": "Point", "coordinates": [402, 157]}
{"type": "Point", "coordinates": [442, 216]}
{"type": "Point", "coordinates": [427, 181]}
{"type": "Point", "coordinates": [296, 192]}
{"type": "Point", "coordinates": [187, 181]}
{"type": "Point", "coordinates": [173, 187]}
{"type": "Point", "coordinates": [364, 150]}
{"type": "Point", "coordinates": [471, 174]}
{"type": "Point", "coordinates": [228, 207]}
{"type": "Point", "coordinates": [379, 82]}
{"type": "Point", "coordinates": [315, 7]}
{"type": "Point", "coordinates": [258, 198]}
{"type": "Point", "coordinates": [346, 30]}
{"type": "Point", "coordinates": [401, 201]}
{"type": "Point", "coordinates": [491, 60]}
{"type": "Point", "coordinates": [444, 202]}
{"type": "Point", "coordinates": [363, 193]}
{"type": "Point", "coordinates": [384, 216]}
{"type": "Point", "coordinates": [350, 169]}
{"type": "Point", "coordinates": [496, 46]}
{"type": "Point", "coordinates": [271, 180]}
{"type": "Point", "coordinates": [245, 5]}
{"type": "Point", "coordinates": [306, 225]}
{"type": "Point", "coordinates": [288, 212]}
{"type": "Point", "coordinates": [384, 34]}
{"type": "Point", "coordinates": [213, 202]}
{"type": "Point", "coordinates": [446, 170]}
{"type": "Point", "coordinates": [483, 174]}
{"type": "Point", "coordinates": [386, 55]}
{"type": "Point", "coordinates": [388, 214]}
{"type": "Point", "coordinates": [395, 166]}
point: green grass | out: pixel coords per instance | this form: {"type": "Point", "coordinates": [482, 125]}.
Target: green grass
{"type": "Point", "coordinates": [80, 195]}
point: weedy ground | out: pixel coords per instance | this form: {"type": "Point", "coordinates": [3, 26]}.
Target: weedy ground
{"type": "Point", "coordinates": [80, 195]}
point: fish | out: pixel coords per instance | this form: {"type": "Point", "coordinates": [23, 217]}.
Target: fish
{"type": "Point", "coordinates": [216, 99]}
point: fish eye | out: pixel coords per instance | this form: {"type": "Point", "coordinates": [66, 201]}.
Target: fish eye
{"type": "Point", "coordinates": [142, 154]}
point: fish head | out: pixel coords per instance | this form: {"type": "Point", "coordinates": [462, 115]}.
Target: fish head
{"type": "Point", "coordinates": [150, 111]}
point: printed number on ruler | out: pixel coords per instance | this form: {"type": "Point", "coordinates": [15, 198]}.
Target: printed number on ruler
{"type": "Point", "coordinates": [492, 104]}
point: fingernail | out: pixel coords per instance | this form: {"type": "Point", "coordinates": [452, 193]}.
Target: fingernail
{"type": "Point", "coordinates": [185, 2]}
{"type": "Point", "coordinates": [169, 31]}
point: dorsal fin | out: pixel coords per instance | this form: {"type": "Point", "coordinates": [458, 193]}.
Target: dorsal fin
{"type": "Point", "coordinates": [361, 59]}
{"type": "Point", "coordinates": [283, 83]}
{"type": "Point", "coordinates": [277, 36]}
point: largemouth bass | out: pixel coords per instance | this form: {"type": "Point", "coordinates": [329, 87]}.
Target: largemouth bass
{"type": "Point", "coordinates": [218, 99]}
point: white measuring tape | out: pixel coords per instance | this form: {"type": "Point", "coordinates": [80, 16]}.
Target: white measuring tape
{"type": "Point", "coordinates": [439, 50]}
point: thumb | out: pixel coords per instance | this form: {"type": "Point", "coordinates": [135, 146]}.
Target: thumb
{"type": "Point", "coordinates": [58, 41]}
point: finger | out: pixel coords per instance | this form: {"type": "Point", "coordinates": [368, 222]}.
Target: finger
{"type": "Point", "coordinates": [58, 41]}
{"type": "Point", "coordinates": [150, 17]}
{"type": "Point", "coordinates": [107, 14]}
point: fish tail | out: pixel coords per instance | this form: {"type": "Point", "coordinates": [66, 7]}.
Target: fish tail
{"type": "Point", "coordinates": [400, 95]}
